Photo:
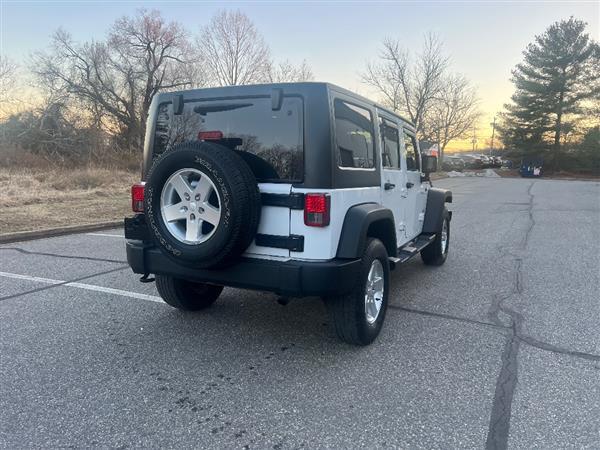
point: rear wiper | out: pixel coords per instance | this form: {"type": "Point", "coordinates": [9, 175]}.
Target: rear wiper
{"type": "Point", "coordinates": [203, 110]}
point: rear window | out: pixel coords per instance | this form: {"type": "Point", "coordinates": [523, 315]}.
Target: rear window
{"type": "Point", "coordinates": [271, 142]}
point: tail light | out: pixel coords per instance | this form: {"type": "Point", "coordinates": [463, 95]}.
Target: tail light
{"type": "Point", "coordinates": [137, 197]}
{"type": "Point", "coordinates": [316, 210]}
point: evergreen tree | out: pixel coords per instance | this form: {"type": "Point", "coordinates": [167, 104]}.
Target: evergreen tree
{"type": "Point", "coordinates": [588, 150]}
{"type": "Point", "coordinates": [558, 78]}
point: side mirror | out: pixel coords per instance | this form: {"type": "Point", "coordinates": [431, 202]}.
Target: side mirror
{"type": "Point", "coordinates": [429, 164]}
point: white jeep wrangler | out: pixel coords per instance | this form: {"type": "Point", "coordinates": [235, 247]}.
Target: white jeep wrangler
{"type": "Point", "coordinates": [301, 189]}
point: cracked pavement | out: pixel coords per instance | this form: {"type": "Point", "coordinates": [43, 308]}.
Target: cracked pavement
{"type": "Point", "coordinates": [498, 348]}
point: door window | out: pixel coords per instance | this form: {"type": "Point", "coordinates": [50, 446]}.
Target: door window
{"type": "Point", "coordinates": [412, 155]}
{"type": "Point", "coordinates": [390, 150]}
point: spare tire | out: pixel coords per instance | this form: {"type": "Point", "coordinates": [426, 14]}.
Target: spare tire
{"type": "Point", "coordinates": [202, 204]}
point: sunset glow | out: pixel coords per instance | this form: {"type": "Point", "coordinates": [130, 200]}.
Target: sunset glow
{"type": "Point", "coordinates": [484, 41]}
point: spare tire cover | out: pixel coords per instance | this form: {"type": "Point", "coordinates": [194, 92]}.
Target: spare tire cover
{"type": "Point", "coordinates": [202, 204]}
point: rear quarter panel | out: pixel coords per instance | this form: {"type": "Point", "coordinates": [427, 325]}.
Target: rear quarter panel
{"type": "Point", "coordinates": [322, 243]}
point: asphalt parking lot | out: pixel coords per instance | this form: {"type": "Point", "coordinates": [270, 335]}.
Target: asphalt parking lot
{"type": "Point", "coordinates": [500, 347]}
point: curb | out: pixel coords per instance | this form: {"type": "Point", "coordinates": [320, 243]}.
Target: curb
{"type": "Point", "coordinates": [439, 176]}
{"type": "Point", "coordinates": [18, 236]}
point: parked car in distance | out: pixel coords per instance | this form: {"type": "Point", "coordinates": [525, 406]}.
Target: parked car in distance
{"type": "Point", "coordinates": [491, 161]}
{"type": "Point", "coordinates": [531, 167]}
{"type": "Point", "coordinates": [472, 162]}
{"type": "Point", "coordinates": [451, 163]}
{"type": "Point", "coordinates": [486, 160]}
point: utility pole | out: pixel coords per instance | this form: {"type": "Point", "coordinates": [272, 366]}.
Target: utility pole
{"type": "Point", "coordinates": [493, 132]}
{"type": "Point", "coordinates": [474, 140]}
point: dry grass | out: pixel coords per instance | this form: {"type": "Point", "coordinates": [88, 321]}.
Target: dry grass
{"type": "Point", "coordinates": [33, 199]}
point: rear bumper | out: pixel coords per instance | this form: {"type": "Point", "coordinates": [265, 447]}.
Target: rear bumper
{"type": "Point", "coordinates": [290, 278]}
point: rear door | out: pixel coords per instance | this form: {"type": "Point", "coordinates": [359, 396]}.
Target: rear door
{"type": "Point", "coordinates": [393, 180]}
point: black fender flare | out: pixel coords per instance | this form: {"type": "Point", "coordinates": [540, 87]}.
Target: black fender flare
{"type": "Point", "coordinates": [357, 221]}
{"type": "Point", "coordinates": [434, 212]}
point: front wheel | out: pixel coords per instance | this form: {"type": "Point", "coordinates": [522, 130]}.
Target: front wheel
{"type": "Point", "coordinates": [435, 254]}
{"type": "Point", "coordinates": [187, 295]}
{"type": "Point", "coordinates": [358, 316]}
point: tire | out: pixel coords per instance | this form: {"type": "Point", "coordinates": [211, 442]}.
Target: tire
{"type": "Point", "coordinates": [435, 254]}
{"type": "Point", "coordinates": [231, 205]}
{"type": "Point", "coordinates": [187, 295]}
{"type": "Point", "coordinates": [349, 312]}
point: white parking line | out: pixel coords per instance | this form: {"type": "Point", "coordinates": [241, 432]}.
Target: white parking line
{"type": "Point", "coordinates": [106, 235]}
{"type": "Point", "coordinates": [89, 287]}
{"type": "Point", "coordinates": [28, 278]}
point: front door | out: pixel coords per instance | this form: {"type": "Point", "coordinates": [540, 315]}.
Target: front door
{"type": "Point", "coordinates": [415, 191]}
{"type": "Point", "coordinates": [393, 178]}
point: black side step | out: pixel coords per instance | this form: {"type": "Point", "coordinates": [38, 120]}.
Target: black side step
{"type": "Point", "coordinates": [412, 248]}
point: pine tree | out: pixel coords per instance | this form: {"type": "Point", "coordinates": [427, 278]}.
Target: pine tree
{"type": "Point", "coordinates": [559, 76]}
{"type": "Point", "coordinates": [588, 150]}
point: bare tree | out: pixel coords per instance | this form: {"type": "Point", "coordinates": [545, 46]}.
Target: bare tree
{"type": "Point", "coordinates": [8, 71]}
{"type": "Point", "coordinates": [118, 78]}
{"type": "Point", "coordinates": [405, 86]}
{"type": "Point", "coordinates": [8, 78]}
{"type": "Point", "coordinates": [286, 72]}
{"type": "Point", "coordinates": [152, 54]}
{"type": "Point", "coordinates": [453, 112]}
{"type": "Point", "coordinates": [233, 51]}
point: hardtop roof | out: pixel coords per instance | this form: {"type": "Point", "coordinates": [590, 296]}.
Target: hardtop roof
{"type": "Point", "coordinates": [254, 89]}
{"type": "Point", "coordinates": [368, 101]}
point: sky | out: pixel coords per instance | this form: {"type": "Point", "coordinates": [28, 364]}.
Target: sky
{"type": "Point", "coordinates": [484, 40]}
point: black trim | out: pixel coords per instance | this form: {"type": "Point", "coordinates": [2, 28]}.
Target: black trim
{"type": "Point", "coordinates": [434, 213]}
{"type": "Point", "coordinates": [136, 228]}
{"type": "Point", "coordinates": [294, 200]}
{"type": "Point", "coordinates": [292, 242]}
{"type": "Point", "coordinates": [290, 278]}
{"type": "Point", "coordinates": [276, 99]}
{"type": "Point", "coordinates": [178, 105]}
{"type": "Point", "coordinates": [356, 225]}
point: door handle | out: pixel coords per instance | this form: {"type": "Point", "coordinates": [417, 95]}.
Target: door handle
{"type": "Point", "coordinates": [409, 185]}
{"type": "Point", "coordinates": [388, 186]}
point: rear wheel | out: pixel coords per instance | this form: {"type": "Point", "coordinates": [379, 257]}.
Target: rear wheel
{"type": "Point", "coordinates": [435, 254]}
{"type": "Point", "coordinates": [358, 316]}
{"type": "Point", "coordinates": [187, 295]}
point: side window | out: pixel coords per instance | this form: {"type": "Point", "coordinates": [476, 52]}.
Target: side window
{"type": "Point", "coordinates": [390, 149]}
{"type": "Point", "coordinates": [412, 156]}
{"type": "Point", "coordinates": [354, 135]}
